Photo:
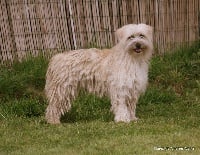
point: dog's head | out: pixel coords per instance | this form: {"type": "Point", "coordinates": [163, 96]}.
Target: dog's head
{"type": "Point", "coordinates": [137, 39]}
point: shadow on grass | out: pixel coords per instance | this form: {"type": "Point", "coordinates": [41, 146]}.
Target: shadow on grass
{"type": "Point", "coordinates": [88, 107]}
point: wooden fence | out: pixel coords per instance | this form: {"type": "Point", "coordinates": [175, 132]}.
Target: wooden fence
{"type": "Point", "coordinates": [34, 26]}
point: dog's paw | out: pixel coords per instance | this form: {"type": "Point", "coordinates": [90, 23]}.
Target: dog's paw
{"type": "Point", "coordinates": [134, 119]}
{"type": "Point", "coordinates": [122, 119]}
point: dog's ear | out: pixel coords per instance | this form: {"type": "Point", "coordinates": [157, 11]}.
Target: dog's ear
{"type": "Point", "coordinates": [119, 33]}
{"type": "Point", "coordinates": [148, 30]}
{"type": "Point", "coordinates": [123, 31]}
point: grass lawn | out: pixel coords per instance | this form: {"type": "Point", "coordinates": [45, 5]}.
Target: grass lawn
{"type": "Point", "coordinates": [169, 113]}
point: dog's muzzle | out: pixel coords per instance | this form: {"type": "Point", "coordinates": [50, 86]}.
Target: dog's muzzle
{"type": "Point", "coordinates": [137, 47]}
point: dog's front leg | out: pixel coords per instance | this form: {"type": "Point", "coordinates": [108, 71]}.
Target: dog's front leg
{"type": "Point", "coordinates": [132, 109]}
{"type": "Point", "coordinates": [120, 109]}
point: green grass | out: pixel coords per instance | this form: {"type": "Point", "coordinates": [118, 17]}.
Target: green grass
{"type": "Point", "coordinates": [169, 112]}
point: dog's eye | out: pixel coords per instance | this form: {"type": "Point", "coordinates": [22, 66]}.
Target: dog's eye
{"type": "Point", "coordinates": [141, 36]}
{"type": "Point", "coordinates": [131, 37]}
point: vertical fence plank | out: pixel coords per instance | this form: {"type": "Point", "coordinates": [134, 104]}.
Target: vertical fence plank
{"type": "Point", "coordinates": [97, 23]}
{"type": "Point", "coordinates": [106, 26]}
{"type": "Point", "coordinates": [75, 24]}
{"type": "Point", "coordinates": [114, 20]}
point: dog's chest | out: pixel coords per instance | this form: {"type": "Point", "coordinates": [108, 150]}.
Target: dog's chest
{"type": "Point", "coordinates": [141, 77]}
{"type": "Point", "coordinates": [134, 76]}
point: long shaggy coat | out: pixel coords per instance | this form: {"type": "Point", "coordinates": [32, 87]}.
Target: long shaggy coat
{"type": "Point", "coordinates": [121, 73]}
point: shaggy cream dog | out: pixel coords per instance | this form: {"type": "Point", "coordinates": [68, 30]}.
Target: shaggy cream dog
{"type": "Point", "coordinates": [121, 73]}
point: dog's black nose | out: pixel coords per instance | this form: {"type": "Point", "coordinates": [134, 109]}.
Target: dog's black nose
{"type": "Point", "coordinates": [138, 45]}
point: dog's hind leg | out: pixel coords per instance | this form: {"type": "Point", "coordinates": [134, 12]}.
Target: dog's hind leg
{"type": "Point", "coordinates": [59, 103]}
